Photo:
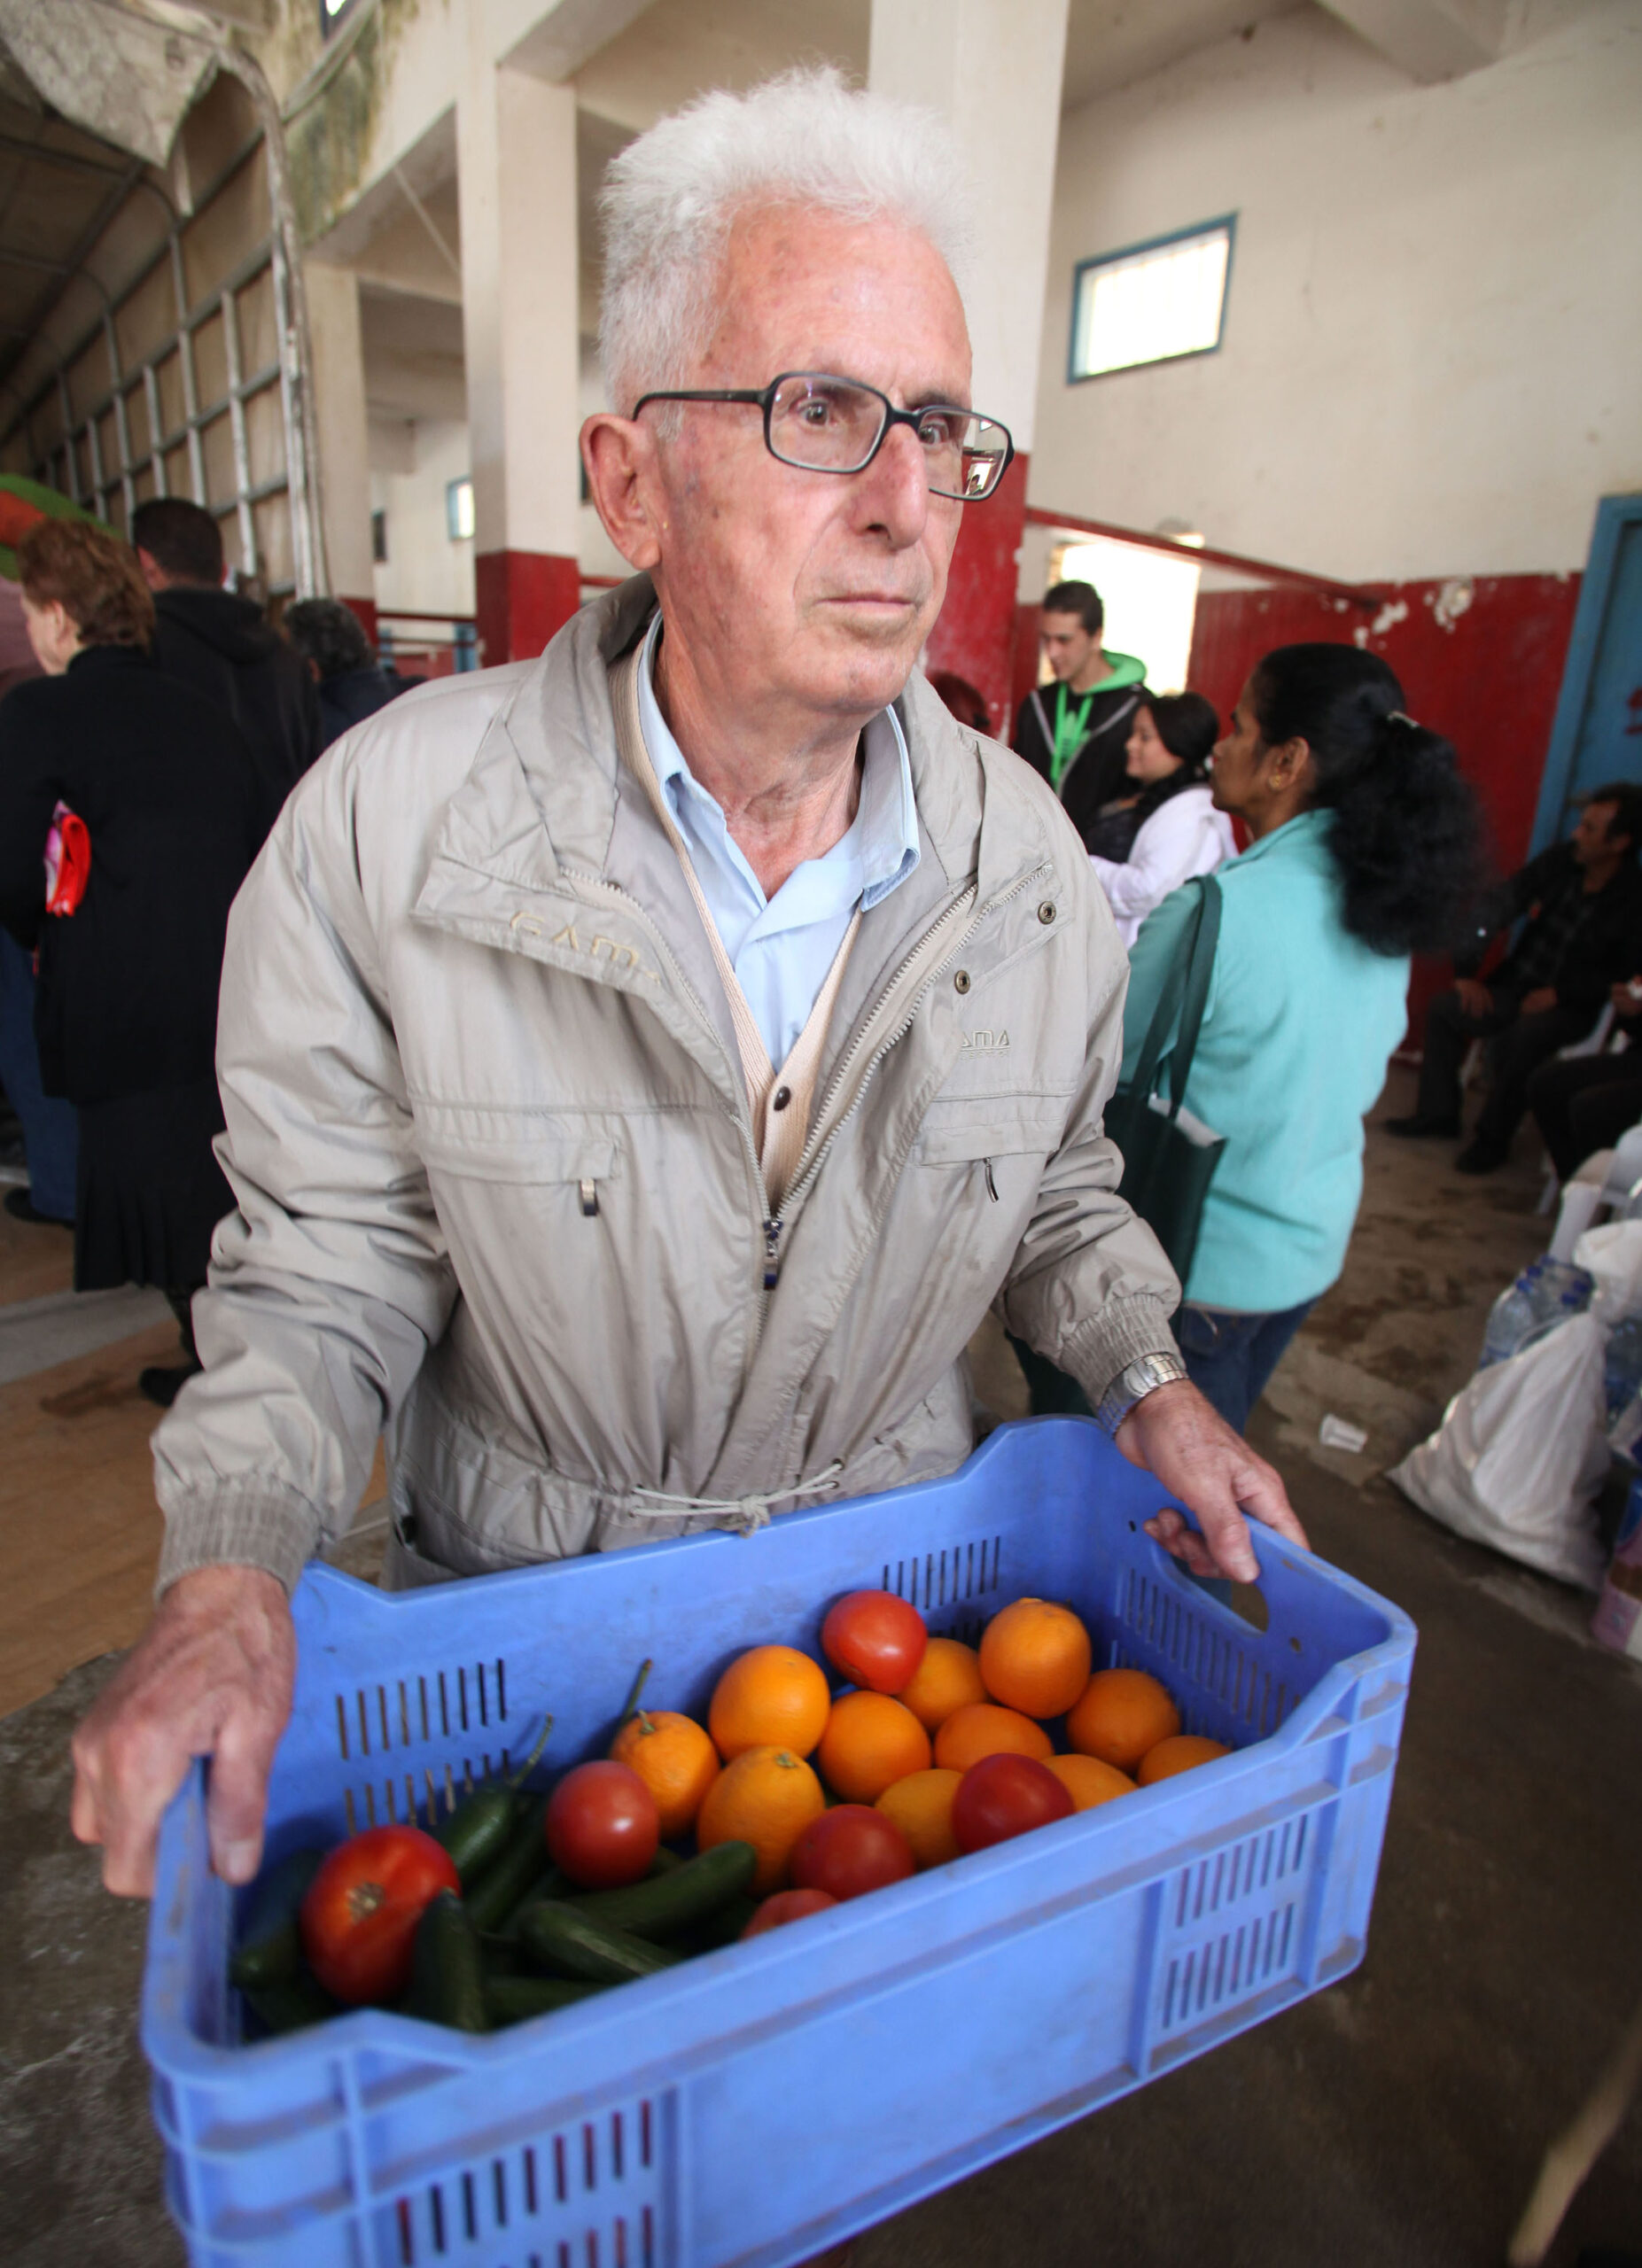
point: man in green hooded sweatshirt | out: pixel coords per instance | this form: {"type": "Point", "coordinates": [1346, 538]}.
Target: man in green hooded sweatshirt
{"type": "Point", "coordinates": [1075, 732]}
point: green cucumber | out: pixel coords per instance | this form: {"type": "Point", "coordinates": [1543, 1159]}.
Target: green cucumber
{"type": "Point", "coordinates": [479, 1829]}
{"type": "Point", "coordinates": [447, 1975]}
{"type": "Point", "coordinates": [515, 1999]}
{"type": "Point", "coordinates": [667, 1905]}
{"type": "Point", "coordinates": [269, 1951]}
{"type": "Point", "coordinates": [493, 1897]}
{"type": "Point", "coordinates": [291, 2003]}
{"type": "Point", "coordinates": [724, 1926]}
{"type": "Point", "coordinates": [561, 1937]}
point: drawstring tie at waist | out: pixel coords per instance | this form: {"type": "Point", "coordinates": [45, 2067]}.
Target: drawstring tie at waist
{"type": "Point", "coordinates": [745, 1515]}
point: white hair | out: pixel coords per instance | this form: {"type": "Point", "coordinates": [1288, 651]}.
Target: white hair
{"type": "Point", "coordinates": [806, 138]}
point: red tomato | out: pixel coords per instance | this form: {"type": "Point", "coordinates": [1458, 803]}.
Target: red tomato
{"type": "Point", "coordinates": [358, 1919]}
{"type": "Point", "coordinates": [1007, 1794]}
{"type": "Point", "coordinates": [876, 1639]}
{"type": "Point", "coordinates": [850, 1850]}
{"type": "Point", "coordinates": [788, 1906]}
{"type": "Point", "coordinates": [602, 1825]}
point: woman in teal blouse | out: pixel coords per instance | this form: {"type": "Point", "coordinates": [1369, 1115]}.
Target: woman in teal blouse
{"type": "Point", "coordinates": [1364, 847]}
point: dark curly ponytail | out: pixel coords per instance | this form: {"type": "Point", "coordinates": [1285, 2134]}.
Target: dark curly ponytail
{"type": "Point", "coordinates": [1407, 837]}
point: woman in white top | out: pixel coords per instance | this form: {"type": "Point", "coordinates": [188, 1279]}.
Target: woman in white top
{"type": "Point", "coordinates": [1175, 833]}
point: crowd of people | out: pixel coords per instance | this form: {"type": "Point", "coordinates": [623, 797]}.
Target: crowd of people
{"type": "Point", "coordinates": [142, 760]}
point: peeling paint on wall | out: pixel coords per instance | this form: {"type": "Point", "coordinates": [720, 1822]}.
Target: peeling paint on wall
{"type": "Point", "coordinates": [1453, 600]}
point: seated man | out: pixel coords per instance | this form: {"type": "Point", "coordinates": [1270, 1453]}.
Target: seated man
{"type": "Point", "coordinates": [519, 1183]}
{"type": "Point", "coordinates": [1587, 1103]}
{"type": "Point", "coordinates": [1076, 731]}
{"type": "Point", "coordinates": [1583, 933]}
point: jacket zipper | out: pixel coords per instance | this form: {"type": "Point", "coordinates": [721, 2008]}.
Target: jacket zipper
{"type": "Point", "coordinates": [773, 1223]}
{"type": "Point", "coordinates": [810, 1167]}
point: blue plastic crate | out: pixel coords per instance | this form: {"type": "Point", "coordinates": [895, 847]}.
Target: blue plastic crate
{"type": "Point", "coordinates": [759, 2104]}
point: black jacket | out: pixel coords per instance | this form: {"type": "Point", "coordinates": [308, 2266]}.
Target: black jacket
{"type": "Point", "coordinates": [219, 643]}
{"type": "Point", "coordinates": [352, 695]}
{"type": "Point", "coordinates": [128, 992]}
{"type": "Point", "coordinates": [1580, 944]}
{"type": "Point", "coordinates": [1096, 774]}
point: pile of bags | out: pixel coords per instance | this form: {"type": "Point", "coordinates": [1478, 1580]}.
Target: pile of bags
{"type": "Point", "coordinates": [1524, 1448]}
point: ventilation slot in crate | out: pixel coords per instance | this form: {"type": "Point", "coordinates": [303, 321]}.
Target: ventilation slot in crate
{"type": "Point", "coordinates": [1201, 1664]}
{"type": "Point", "coordinates": [943, 1583]}
{"type": "Point", "coordinates": [440, 1707]}
{"type": "Point", "coordinates": [588, 2197]}
{"type": "Point", "coordinates": [1203, 1979]}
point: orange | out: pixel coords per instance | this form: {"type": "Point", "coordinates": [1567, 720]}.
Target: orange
{"type": "Point", "coordinates": [981, 1728]}
{"type": "Point", "coordinates": [921, 1805]}
{"type": "Point", "coordinates": [1035, 1658]}
{"type": "Point", "coordinates": [766, 1797]}
{"type": "Point", "coordinates": [674, 1759]}
{"type": "Point", "coordinates": [871, 1741]}
{"type": "Point", "coordinates": [948, 1676]}
{"type": "Point", "coordinates": [1120, 1715]}
{"type": "Point", "coordinates": [1181, 1752]}
{"type": "Point", "coordinates": [772, 1696]}
{"type": "Point", "coordinates": [1088, 1781]}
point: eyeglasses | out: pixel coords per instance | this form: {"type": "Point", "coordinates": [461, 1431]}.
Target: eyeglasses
{"type": "Point", "coordinates": [827, 424]}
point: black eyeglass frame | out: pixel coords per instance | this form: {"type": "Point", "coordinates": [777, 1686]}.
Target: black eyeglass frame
{"type": "Point", "coordinates": [765, 400]}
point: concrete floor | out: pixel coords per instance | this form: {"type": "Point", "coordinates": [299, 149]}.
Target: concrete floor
{"type": "Point", "coordinates": [1395, 2121]}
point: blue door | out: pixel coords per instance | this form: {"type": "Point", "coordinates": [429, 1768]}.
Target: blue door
{"type": "Point", "coordinates": [1598, 734]}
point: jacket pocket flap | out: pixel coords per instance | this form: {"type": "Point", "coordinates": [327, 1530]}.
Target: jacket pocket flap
{"type": "Point", "coordinates": [960, 1129]}
{"type": "Point", "coordinates": [501, 1145]}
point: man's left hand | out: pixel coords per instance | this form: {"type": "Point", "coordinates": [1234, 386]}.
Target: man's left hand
{"type": "Point", "coordinates": [1540, 1001]}
{"type": "Point", "coordinates": [1174, 1432]}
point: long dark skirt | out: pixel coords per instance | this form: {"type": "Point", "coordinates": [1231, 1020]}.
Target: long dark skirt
{"type": "Point", "coordinates": [150, 1192]}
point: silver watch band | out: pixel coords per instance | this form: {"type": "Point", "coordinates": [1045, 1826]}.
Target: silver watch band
{"type": "Point", "coordinates": [1133, 1383]}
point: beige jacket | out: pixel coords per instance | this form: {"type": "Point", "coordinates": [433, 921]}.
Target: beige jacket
{"type": "Point", "coordinates": [497, 1193]}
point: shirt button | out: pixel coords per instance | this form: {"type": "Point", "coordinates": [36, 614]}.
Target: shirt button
{"type": "Point", "coordinates": [782, 1097]}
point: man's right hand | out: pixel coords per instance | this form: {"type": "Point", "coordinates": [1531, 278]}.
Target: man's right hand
{"type": "Point", "coordinates": [1474, 997]}
{"type": "Point", "coordinates": [212, 1676]}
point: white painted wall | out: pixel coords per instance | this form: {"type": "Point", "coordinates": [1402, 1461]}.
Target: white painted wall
{"type": "Point", "coordinates": [1434, 326]}
{"type": "Point", "coordinates": [410, 468]}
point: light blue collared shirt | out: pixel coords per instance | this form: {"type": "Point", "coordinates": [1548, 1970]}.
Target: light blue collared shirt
{"type": "Point", "coordinates": [782, 947]}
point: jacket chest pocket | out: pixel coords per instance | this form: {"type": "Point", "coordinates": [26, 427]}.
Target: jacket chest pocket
{"type": "Point", "coordinates": [1007, 1138]}
{"type": "Point", "coordinates": [504, 1150]}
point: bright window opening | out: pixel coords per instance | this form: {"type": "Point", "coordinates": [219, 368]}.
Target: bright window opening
{"type": "Point", "coordinates": [1153, 304]}
{"type": "Point", "coordinates": [1150, 602]}
{"type": "Point", "coordinates": [459, 510]}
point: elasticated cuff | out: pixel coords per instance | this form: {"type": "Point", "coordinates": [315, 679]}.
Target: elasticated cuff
{"type": "Point", "coordinates": [1106, 1343]}
{"type": "Point", "coordinates": [238, 1526]}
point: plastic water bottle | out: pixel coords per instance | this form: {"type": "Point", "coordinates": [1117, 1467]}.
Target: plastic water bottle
{"type": "Point", "coordinates": [1512, 1319]}
{"type": "Point", "coordinates": [1561, 1289]}
{"type": "Point", "coordinates": [1622, 1369]}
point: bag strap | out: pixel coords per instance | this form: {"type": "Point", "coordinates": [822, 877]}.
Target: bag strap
{"type": "Point", "coordinates": [1196, 998]}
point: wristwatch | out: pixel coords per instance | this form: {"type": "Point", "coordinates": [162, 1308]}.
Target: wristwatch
{"type": "Point", "coordinates": [1134, 1384]}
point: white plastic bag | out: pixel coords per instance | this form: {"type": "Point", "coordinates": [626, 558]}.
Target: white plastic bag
{"type": "Point", "coordinates": [1521, 1454]}
{"type": "Point", "coordinates": [1612, 1254]}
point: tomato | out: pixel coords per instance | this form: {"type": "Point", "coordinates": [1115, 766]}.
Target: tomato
{"type": "Point", "coordinates": [788, 1906]}
{"type": "Point", "coordinates": [359, 1918]}
{"type": "Point", "coordinates": [850, 1850]}
{"type": "Point", "coordinates": [876, 1639]}
{"type": "Point", "coordinates": [1007, 1794]}
{"type": "Point", "coordinates": [602, 1825]}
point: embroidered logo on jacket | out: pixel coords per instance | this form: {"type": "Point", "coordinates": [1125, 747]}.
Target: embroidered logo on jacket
{"type": "Point", "coordinates": [980, 1043]}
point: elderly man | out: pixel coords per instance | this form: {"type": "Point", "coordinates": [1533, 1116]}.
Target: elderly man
{"type": "Point", "coordinates": [596, 1033]}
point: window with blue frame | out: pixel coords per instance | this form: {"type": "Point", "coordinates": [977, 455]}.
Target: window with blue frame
{"type": "Point", "coordinates": [1154, 302]}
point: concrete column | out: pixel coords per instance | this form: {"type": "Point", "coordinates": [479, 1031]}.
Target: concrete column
{"type": "Point", "coordinates": [993, 68]}
{"type": "Point", "coordinates": [344, 433]}
{"type": "Point", "coordinates": [516, 158]}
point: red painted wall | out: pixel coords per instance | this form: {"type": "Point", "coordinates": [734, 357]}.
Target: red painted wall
{"type": "Point", "coordinates": [366, 610]}
{"type": "Point", "coordinates": [974, 634]}
{"type": "Point", "coordinates": [521, 598]}
{"type": "Point", "coordinates": [1488, 679]}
